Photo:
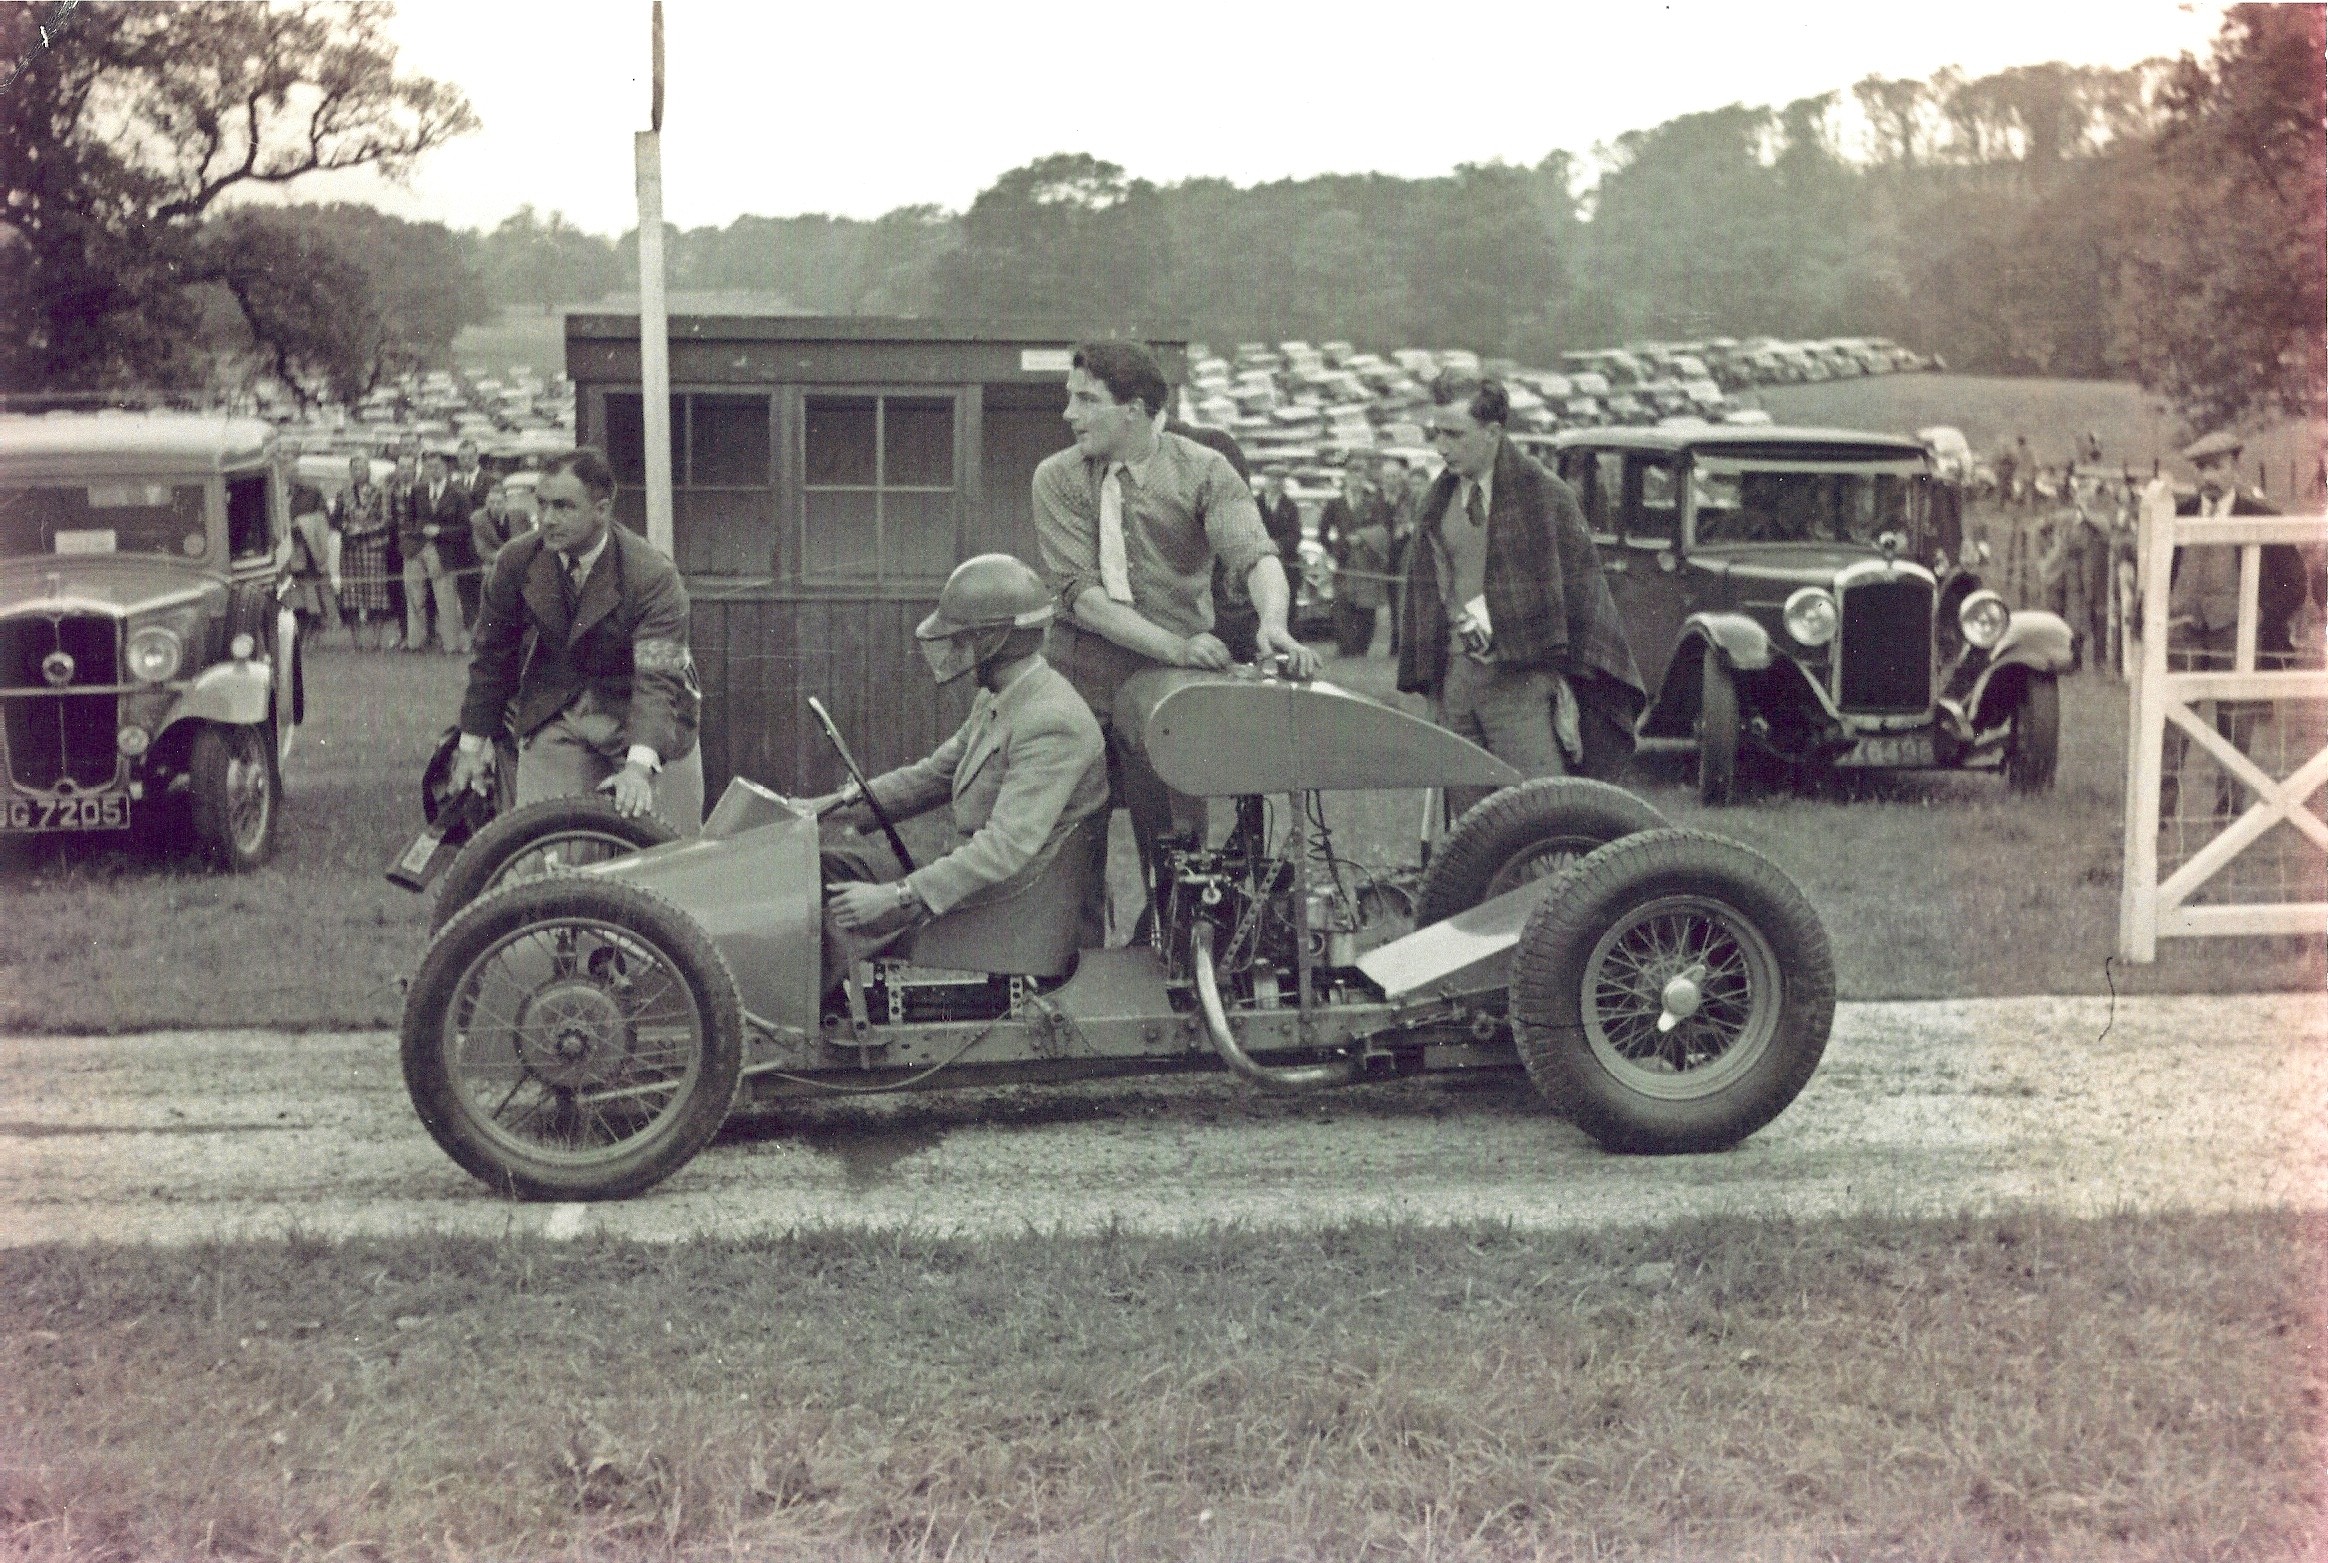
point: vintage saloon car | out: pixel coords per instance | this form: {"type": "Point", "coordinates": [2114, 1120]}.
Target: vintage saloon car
{"type": "Point", "coordinates": [144, 649]}
{"type": "Point", "coordinates": [1772, 583]}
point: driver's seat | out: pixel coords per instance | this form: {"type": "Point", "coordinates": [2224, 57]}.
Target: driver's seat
{"type": "Point", "coordinates": [1037, 930]}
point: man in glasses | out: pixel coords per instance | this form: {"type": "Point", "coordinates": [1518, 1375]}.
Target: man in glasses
{"type": "Point", "coordinates": [1509, 626]}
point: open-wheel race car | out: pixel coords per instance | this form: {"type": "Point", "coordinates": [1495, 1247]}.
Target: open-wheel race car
{"type": "Point", "coordinates": [583, 1033]}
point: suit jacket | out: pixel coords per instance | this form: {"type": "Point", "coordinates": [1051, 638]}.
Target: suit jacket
{"type": "Point", "coordinates": [1547, 601]}
{"type": "Point", "coordinates": [2206, 580]}
{"type": "Point", "coordinates": [1021, 773]}
{"type": "Point", "coordinates": [624, 645]}
{"type": "Point", "coordinates": [449, 514]}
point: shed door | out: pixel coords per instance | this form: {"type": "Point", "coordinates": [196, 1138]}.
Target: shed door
{"type": "Point", "coordinates": [1022, 426]}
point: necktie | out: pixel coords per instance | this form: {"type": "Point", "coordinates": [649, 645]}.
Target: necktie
{"type": "Point", "coordinates": [1473, 506]}
{"type": "Point", "coordinates": [575, 575]}
{"type": "Point", "coordinates": [1115, 574]}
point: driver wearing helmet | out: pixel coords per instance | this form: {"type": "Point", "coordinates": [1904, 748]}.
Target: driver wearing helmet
{"type": "Point", "coordinates": [1021, 773]}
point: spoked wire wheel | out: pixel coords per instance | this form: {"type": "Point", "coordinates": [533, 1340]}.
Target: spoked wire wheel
{"type": "Point", "coordinates": [572, 1039]}
{"type": "Point", "coordinates": [1681, 996]}
{"type": "Point", "coordinates": [1673, 993]}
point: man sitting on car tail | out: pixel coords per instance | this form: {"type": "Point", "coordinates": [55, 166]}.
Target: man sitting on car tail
{"type": "Point", "coordinates": [1021, 773]}
{"type": "Point", "coordinates": [1510, 629]}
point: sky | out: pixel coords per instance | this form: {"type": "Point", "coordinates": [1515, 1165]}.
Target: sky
{"type": "Point", "coordinates": [856, 109]}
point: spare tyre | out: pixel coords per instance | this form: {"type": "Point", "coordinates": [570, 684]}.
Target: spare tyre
{"type": "Point", "coordinates": [539, 839]}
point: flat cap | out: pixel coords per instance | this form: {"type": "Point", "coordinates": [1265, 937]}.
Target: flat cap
{"type": "Point", "coordinates": [2208, 446]}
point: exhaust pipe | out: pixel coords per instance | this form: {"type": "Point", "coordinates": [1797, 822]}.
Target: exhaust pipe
{"type": "Point", "coordinates": [1298, 1077]}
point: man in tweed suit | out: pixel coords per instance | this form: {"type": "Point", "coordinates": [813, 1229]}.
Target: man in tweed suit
{"type": "Point", "coordinates": [1508, 617]}
{"type": "Point", "coordinates": [582, 640]}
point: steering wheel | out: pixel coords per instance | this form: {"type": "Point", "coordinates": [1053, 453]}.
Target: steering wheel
{"type": "Point", "coordinates": [840, 745]}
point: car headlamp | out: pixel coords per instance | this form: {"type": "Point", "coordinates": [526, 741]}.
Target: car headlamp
{"type": "Point", "coordinates": [1983, 619]}
{"type": "Point", "coordinates": [155, 654]}
{"type": "Point", "coordinates": [1810, 616]}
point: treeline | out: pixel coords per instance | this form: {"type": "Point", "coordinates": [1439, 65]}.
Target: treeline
{"type": "Point", "coordinates": [2048, 219]}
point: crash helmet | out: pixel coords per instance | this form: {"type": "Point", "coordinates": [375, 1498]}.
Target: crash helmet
{"type": "Point", "coordinates": [991, 605]}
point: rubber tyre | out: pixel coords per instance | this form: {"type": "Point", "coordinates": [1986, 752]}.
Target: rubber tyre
{"type": "Point", "coordinates": [235, 794]}
{"type": "Point", "coordinates": [487, 856]}
{"type": "Point", "coordinates": [1718, 725]}
{"type": "Point", "coordinates": [674, 1140]}
{"type": "Point", "coordinates": [1496, 835]}
{"type": "Point", "coordinates": [1633, 1110]}
{"type": "Point", "coordinates": [2033, 747]}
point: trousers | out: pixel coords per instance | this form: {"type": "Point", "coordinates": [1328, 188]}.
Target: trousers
{"type": "Point", "coordinates": [425, 575]}
{"type": "Point", "coordinates": [1507, 712]}
{"type": "Point", "coordinates": [571, 755]}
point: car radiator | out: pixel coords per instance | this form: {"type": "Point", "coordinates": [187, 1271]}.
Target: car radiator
{"type": "Point", "coordinates": [53, 735]}
{"type": "Point", "coordinates": [1883, 652]}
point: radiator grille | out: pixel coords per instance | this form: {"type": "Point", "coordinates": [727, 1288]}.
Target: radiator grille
{"type": "Point", "coordinates": [60, 737]}
{"type": "Point", "coordinates": [1884, 650]}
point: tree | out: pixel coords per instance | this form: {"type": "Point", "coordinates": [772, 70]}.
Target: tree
{"type": "Point", "coordinates": [543, 262]}
{"type": "Point", "coordinates": [124, 128]}
{"type": "Point", "coordinates": [2227, 296]}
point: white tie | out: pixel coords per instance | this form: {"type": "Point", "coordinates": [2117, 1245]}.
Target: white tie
{"type": "Point", "coordinates": [1115, 573]}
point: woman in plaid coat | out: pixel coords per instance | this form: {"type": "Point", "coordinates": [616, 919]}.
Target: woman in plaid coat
{"type": "Point", "coordinates": [360, 516]}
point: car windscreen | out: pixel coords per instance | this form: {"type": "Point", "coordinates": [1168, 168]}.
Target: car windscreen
{"type": "Point", "coordinates": [103, 518]}
{"type": "Point", "coordinates": [1779, 502]}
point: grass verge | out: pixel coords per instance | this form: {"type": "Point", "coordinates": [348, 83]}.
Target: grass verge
{"type": "Point", "coordinates": [2015, 1386]}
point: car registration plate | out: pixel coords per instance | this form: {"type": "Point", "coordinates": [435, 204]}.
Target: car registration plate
{"type": "Point", "coordinates": [1905, 749]}
{"type": "Point", "coordinates": [96, 811]}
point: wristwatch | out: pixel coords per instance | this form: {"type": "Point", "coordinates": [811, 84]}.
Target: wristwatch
{"type": "Point", "coordinates": [907, 899]}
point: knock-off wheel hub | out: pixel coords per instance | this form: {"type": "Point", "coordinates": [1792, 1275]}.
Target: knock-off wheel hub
{"type": "Point", "coordinates": [1683, 993]}
{"type": "Point", "coordinates": [573, 1034]}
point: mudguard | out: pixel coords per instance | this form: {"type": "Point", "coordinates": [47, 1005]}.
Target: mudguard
{"type": "Point", "coordinates": [1744, 644]}
{"type": "Point", "coordinates": [751, 881]}
{"type": "Point", "coordinates": [238, 693]}
{"type": "Point", "coordinates": [2033, 639]}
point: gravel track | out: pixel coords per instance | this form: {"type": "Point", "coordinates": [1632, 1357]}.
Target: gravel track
{"type": "Point", "coordinates": [2186, 1103]}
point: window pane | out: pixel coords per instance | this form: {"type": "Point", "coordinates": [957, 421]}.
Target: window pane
{"type": "Point", "coordinates": [917, 536]}
{"type": "Point", "coordinates": [626, 438]}
{"type": "Point", "coordinates": [247, 533]}
{"type": "Point", "coordinates": [840, 440]}
{"type": "Point", "coordinates": [728, 442]}
{"type": "Point", "coordinates": [838, 538]}
{"type": "Point", "coordinates": [921, 443]}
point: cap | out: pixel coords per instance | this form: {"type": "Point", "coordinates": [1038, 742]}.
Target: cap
{"type": "Point", "coordinates": [2220, 445]}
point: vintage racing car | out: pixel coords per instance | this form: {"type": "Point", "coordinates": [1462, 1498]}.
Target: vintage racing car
{"type": "Point", "coordinates": [583, 1033]}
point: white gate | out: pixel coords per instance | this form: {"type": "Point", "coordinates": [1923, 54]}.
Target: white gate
{"type": "Point", "coordinates": [2223, 760]}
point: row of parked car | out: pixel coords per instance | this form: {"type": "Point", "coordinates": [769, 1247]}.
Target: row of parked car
{"type": "Point", "coordinates": [514, 418]}
{"type": "Point", "coordinates": [1296, 406]}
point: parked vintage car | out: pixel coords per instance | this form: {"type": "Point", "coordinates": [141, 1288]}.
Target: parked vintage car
{"type": "Point", "coordinates": [1774, 584]}
{"type": "Point", "coordinates": [583, 1033]}
{"type": "Point", "coordinates": [145, 651]}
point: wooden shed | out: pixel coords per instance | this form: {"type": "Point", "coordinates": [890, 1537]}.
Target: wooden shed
{"type": "Point", "coordinates": [827, 473]}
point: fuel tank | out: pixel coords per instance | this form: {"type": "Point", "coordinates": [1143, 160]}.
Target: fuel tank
{"type": "Point", "coordinates": [1220, 735]}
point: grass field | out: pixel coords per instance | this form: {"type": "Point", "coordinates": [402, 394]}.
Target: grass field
{"type": "Point", "coordinates": [2135, 428]}
{"type": "Point", "coordinates": [1979, 1388]}
{"type": "Point", "coordinates": [1930, 885]}
{"type": "Point", "coordinates": [521, 336]}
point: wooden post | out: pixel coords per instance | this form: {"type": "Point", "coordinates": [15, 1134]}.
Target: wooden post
{"type": "Point", "coordinates": [2146, 742]}
{"type": "Point", "coordinates": [654, 318]}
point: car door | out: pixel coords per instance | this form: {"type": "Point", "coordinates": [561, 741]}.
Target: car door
{"type": "Point", "coordinates": [1636, 581]}
{"type": "Point", "coordinates": [1657, 594]}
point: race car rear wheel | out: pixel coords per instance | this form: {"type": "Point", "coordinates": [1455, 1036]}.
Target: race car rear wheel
{"type": "Point", "coordinates": [540, 839]}
{"type": "Point", "coordinates": [1675, 996]}
{"type": "Point", "coordinates": [572, 1039]}
{"type": "Point", "coordinates": [1532, 831]}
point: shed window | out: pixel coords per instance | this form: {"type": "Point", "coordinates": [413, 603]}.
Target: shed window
{"type": "Point", "coordinates": [877, 496]}
{"type": "Point", "coordinates": [716, 441]}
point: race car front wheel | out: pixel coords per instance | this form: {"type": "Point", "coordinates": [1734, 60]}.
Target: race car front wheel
{"type": "Point", "coordinates": [572, 1039]}
{"type": "Point", "coordinates": [1675, 995]}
